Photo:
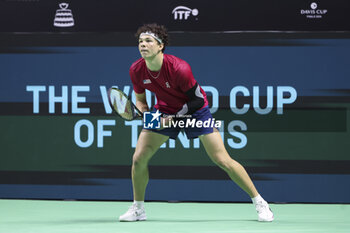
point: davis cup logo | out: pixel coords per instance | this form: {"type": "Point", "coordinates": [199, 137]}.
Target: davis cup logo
{"type": "Point", "coordinates": [63, 16]}
{"type": "Point", "coordinates": [313, 12]}
{"type": "Point", "coordinates": [313, 5]}
{"type": "Point", "coordinates": [183, 12]}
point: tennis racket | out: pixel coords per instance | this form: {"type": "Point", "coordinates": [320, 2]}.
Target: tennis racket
{"type": "Point", "coordinates": [122, 105]}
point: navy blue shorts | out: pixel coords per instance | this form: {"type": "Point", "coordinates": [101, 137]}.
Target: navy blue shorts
{"type": "Point", "coordinates": [191, 132]}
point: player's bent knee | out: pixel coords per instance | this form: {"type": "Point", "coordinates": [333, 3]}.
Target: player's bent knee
{"type": "Point", "coordinates": [141, 157]}
{"type": "Point", "coordinates": [138, 159]}
{"type": "Point", "coordinates": [139, 162]}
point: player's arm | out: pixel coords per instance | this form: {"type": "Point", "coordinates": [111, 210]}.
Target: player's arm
{"type": "Point", "coordinates": [140, 92]}
{"type": "Point", "coordinates": [141, 102]}
{"type": "Point", "coordinates": [196, 101]}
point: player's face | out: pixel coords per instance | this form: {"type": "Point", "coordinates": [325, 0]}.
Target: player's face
{"type": "Point", "coordinates": [149, 47]}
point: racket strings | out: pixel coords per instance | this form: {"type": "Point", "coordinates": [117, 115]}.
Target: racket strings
{"type": "Point", "coordinates": [122, 105]}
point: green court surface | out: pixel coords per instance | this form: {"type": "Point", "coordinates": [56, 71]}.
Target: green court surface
{"type": "Point", "coordinates": [17, 216]}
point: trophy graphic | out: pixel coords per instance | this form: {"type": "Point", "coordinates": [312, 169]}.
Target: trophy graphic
{"type": "Point", "coordinates": [64, 16]}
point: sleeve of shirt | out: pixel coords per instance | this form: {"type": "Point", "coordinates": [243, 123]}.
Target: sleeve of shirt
{"type": "Point", "coordinates": [189, 86]}
{"type": "Point", "coordinates": [185, 77]}
{"type": "Point", "coordinates": [135, 82]}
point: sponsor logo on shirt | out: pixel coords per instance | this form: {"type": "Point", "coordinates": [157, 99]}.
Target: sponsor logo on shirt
{"type": "Point", "coordinates": [147, 81]}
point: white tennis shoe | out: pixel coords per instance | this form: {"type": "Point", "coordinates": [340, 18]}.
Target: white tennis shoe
{"type": "Point", "coordinates": [133, 214]}
{"type": "Point", "coordinates": [264, 212]}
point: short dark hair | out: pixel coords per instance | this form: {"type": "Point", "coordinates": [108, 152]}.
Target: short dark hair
{"type": "Point", "coordinates": [159, 30]}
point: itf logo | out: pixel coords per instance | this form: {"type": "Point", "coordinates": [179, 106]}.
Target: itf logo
{"type": "Point", "coordinates": [183, 12]}
{"type": "Point", "coordinates": [151, 120]}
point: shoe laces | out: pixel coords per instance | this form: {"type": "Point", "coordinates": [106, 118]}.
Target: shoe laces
{"type": "Point", "coordinates": [135, 210]}
{"type": "Point", "coordinates": [261, 206]}
{"type": "Point", "coordinates": [133, 207]}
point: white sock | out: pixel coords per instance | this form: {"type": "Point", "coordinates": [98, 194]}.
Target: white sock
{"type": "Point", "coordinates": [139, 204]}
{"type": "Point", "coordinates": [257, 199]}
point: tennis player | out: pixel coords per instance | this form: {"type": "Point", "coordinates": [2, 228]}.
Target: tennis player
{"type": "Point", "coordinates": [178, 93]}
